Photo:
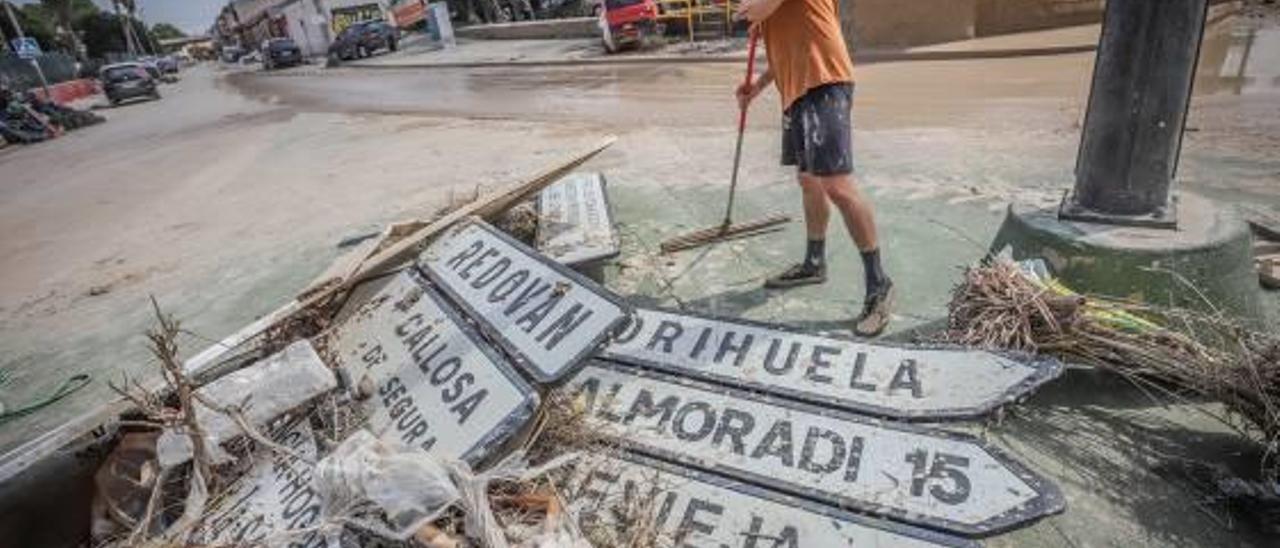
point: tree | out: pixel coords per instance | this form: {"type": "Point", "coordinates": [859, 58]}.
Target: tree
{"type": "Point", "coordinates": [165, 31]}
{"type": "Point", "coordinates": [66, 12]}
{"type": "Point", "coordinates": [33, 22]}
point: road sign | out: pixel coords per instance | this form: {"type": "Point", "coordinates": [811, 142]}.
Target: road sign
{"type": "Point", "coordinates": [26, 47]}
{"type": "Point", "coordinates": [438, 385]}
{"type": "Point", "coordinates": [937, 479]}
{"type": "Point", "coordinates": [545, 315]}
{"type": "Point", "coordinates": [274, 497]}
{"type": "Point", "coordinates": [574, 221]}
{"type": "Point", "coordinates": [896, 381]}
{"type": "Point", "coordinates": [704, 509]}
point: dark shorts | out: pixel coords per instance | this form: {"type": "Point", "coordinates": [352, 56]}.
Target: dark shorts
{"type": "Point", "coordinates": [817, 131]}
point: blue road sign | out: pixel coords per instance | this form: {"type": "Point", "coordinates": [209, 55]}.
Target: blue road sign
{"type": "Point", "coordinates": [27, 47]}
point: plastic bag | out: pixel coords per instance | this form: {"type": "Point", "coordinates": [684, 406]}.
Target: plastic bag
{"type": "Point", "coordinates": [413, 489]}
{"type": "Point", "coordinates": [410, 487]}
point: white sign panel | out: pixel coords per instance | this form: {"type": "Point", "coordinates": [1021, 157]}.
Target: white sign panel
{"type": "Point", "coordinates": [273, 498]}
{"type": "Point", "coordinates": [439, 387]}
{"type": "Point", "coordinates": [699, 509]}
{"type": "Point", "coordinates": [892, 381]}
{"type": "Point", "coordinates": [933, 478]}
{"type": "Point", "coordinates": [574, 222]}
{"type": "Point", "coordinates": [547, 316]}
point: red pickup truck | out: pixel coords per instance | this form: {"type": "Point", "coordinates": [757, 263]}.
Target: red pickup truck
{"type": "Point", "coordinates": [627, 22]}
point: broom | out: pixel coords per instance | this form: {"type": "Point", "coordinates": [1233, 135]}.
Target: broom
{"type": "Point", "coordinates": [727, 230]}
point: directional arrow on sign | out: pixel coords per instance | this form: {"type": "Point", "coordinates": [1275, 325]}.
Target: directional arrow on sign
{"type": "Point", "coordinates": [548, 317]}
{"type": "Point", "coordinates": [900, 382]}
{"type": "Point", "coordinates": [938, 479]}
{"type": "Point", "coordinates": [705, 509]}
{"type": "Point", "coordinates": [438, 386]}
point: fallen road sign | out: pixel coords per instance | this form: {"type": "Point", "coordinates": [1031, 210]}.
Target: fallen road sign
{"type": "Point", "coordinates": [548, 317]}
{"type": "Point", "coordinates": [574, 222]}
{"type": "Point", "coordinates": [703, 509]}
{"type": "Point", "coordinates": [273, 499]}
{"type": "Point", "coordinates": [439, 386]}
{"type": "Point", "coordinates": [900, 382]}
{"type": "Point", "coordinates": [937, 479]}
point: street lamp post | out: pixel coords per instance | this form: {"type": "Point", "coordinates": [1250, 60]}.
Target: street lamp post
{"type": "Point", "coordinates": [1132, 136]}
{"type": "Point", "coordinates": [44, 84]}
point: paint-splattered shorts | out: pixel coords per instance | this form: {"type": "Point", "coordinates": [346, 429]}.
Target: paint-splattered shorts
{"type": "Point", "coordinates": [817, 131]}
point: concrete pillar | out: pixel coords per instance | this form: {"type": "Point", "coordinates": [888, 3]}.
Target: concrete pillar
{"type": "Point", "coordinates": [1137, 108]}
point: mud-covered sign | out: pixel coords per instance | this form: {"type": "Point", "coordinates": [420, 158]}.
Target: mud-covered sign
{"type": "Point", "coordinates": [574, 223]}
{"type": "Point", "coordinates": [903, 382]}
{"type": "Point", "coordinates": [273, 504]}
{"type": "Point", "coordinates": [938, 479]}
{"type": "Point", "coordinates": [694, 508]}
{"type": "Point", "coordinates": [548, 317]}
{"type": "Point", "coordinates": [436, 385]}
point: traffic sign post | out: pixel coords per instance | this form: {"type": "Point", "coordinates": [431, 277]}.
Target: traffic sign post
{"type": "Point", "coordinates": [932, 478]}
{"type": "Point", "coordinates": [21, 43]}
{"type": "Point", "coordinates": [900, 382]}
{"type": "Point", "coordinates": [436, 385]}
{"type": "Point", "coordinates": [705, 509]}
{"type": "Point", "coordinates": [549, 318]}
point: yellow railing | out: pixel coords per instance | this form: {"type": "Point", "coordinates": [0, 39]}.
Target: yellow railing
{"type": "Point", "coordinates": [689, 10]}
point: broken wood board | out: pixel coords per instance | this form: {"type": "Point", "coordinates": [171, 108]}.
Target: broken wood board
{"type": "Point", "coordinates": [546, 316]}
{"type": "Point", "coordinates": [433, 382]}
{"type": "Point", "coordinates": [936, 479]}
{"type": "Point", "coordinates": [694, 508]}
{"type": "Point", "coordinates": [347, 264]}
{"type": "Point", "coordinates": [263, 391]}
{"type": "Point", "coordinates": [575, 223]}
{"type": "Point", "coordinates": [894, 381]}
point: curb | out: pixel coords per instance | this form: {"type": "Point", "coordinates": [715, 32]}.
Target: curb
{"type": "Point", "coordinates": [875, 56]}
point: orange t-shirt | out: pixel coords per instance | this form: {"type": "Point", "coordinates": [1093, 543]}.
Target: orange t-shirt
{"type": "Point", "coordinates": [805, 47]}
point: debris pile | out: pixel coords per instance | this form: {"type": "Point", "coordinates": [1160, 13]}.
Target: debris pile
{"type": "Point", "coordinates": [457, 387]}
{"type": "Point", "coordinates": [1007, 305]}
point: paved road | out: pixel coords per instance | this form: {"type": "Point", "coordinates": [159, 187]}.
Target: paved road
{"type": "Point", "coordinates": [226, 197]}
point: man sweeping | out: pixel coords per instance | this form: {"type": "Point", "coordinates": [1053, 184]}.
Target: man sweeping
{"type": "Point", "coordinates": [814, 75]}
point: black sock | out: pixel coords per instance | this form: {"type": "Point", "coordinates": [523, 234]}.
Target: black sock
{"type": "Point", "coordinates": [815, 255]}
{"type": "Point", "coordinates": [875, 276]}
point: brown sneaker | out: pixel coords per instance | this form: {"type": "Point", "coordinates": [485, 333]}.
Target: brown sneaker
{"type": "Point", "coordinates": [796, 276]}
{"type": "Point", "coordinates": [875, 313]}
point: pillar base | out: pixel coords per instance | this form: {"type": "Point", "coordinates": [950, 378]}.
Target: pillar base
{"type": "Point", "coordinates": [1166, 217]}
{"type": "Point", "coordinates": [1205, 264]}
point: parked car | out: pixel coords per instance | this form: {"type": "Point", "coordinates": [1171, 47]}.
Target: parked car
{"type": "Point", "coordinates": [251, 58]}
{"type": "Point", "coordinates": [168, 64]}
{"type": "Point", "coordinates": [123, 81]}
{"type": "Point", "coordinates": [280, 52]}
{"type": "Point", "coordinates": [363, 39]}
{"type": "Point", "coordinates": [627, 22]}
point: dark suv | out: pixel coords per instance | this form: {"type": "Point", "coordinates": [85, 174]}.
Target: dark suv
{"type": "Point", "coordinates": [280, 52]}
{"type": "Point", "coordinates": [363, 39]}
{"type": "Point", "coordinates": [126, 81]}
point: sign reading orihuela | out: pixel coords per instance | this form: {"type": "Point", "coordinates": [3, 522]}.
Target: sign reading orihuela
{"type": "Point", "coordinates": [938, 479]}
{"type": "Point", "coordinates": [437, 385]}
{"type": "Point", "coordinates": [547, 316]}
{"type": "Point", "coordinates": [892, 381]}
{"type": "Point", "coordinates": [704, 509]}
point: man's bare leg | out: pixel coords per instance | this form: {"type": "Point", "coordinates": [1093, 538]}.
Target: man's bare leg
{"type": "Point", "coordinates": [859, 220]}
{"type": "Point", "coordinates": [817, 214]}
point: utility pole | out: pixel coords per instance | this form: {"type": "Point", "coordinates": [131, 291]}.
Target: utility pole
{"type": "Point", "coordinates": [35, 63]}
{"type": "Point", "coordinates": [124, 28]}
{"type": "Point", "coordinates": [1137, 110]}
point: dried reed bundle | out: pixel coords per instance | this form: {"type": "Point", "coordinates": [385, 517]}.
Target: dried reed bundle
{"type": "Point", "coordinates": [1178, 351]}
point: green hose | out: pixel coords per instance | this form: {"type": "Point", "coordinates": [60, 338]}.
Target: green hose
{"type": "Point", "coordinates": [67, 388]}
